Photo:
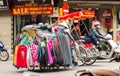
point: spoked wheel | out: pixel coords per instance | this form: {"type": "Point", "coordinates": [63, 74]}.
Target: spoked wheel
{"type": "Point", "coordinates": [4, 55]}
{"type": "Point", "coordinates": [81, 56]}
{"type": "Point", "coordinates": [92, 55]}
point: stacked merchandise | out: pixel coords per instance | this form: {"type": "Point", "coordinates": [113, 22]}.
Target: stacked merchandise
{"type": "Point", "coordinates": [38, 47]}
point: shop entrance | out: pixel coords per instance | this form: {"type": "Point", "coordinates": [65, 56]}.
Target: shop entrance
{"type": "Point", "coordinates": [23, 20]}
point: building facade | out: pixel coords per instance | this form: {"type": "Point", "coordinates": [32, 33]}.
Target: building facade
{"type": "Point", "coordinates": [26, 12]}
{"type": "Point", "coordinates": [106, 11]}
{"type": "Point", "coordinates": [5, 24]}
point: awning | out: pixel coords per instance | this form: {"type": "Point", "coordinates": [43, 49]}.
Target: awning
{"type": "Point", "coordinates": [78, 15]}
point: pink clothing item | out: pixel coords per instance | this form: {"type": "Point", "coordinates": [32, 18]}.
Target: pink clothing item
{"type": "Point", "coordinates": [19, 39]}
{"type": "Point", "coordinates": [34, 54]}
{"type": "Point", "coordinates": [50, 47]}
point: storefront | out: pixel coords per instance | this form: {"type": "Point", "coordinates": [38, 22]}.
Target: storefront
{"type": "Point", "coordinates": [26, 15]}
{"type": "Point", "coordinates": [26, 12]}
{"type": "Point", "coordinates": [106, 12]}
{"type": "Point", "coordinates": [5, 24]}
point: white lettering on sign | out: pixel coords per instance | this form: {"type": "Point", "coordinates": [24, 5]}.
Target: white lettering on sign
{"type": "Point", "coordinates": [1, 7]}
{"type": "Point", "coordinates": [65, 10]}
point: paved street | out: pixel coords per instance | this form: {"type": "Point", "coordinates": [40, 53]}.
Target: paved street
{"type": "Point", "coordinates": [7, 69]}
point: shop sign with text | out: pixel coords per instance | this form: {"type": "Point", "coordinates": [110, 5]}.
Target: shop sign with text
{"type": "Point", "coordinates": [4, 4]}
{"type": "Point", "coordinates": [32, 10]}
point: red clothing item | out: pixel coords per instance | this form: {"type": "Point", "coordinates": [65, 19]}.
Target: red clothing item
{"type": "Point", "coordinates": [57, 43]}
{"type": "Point", "coordinates": [22, 57]}
{"type": "Point", "coordinates": [108, 24]}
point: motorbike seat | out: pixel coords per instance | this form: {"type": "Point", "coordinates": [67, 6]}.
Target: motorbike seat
{"type": "Point", "coordinates": [88, 45]}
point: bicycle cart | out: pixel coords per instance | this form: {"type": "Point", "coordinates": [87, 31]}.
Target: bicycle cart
{"type": "Point", "coordinates": [87, 52]}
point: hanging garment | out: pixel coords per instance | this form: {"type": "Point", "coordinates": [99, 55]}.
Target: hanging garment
{"type": "Point", "coordinates": [55, 52]}
{"type": "Point", "coordinates": [15, 55]}
{"type": "Point", "coordinates": [58, 52]}
{"type": "Point", "coordinates": [29, 58]}
{"type": "Point", "coordinates": [25, 40]}
{"type": "Point", "coordinates": [39, 52]}
{"type": "Point", "coordinates": [34, 51]}
{"type": "Point", "coordinates": [18, 39]}
{"type": "Point", "coordinates": [43, 54]}
{"type": "Point", "coordinates": [64, 46]}
{"type": "Point", "coordinates": [22, 57]}
{"type": "Point", "coordinates": [45, 58]}
{"type": "Point", "coordinates": [108, 24]}
{"type": "Point", "coordinates": [50, 48]}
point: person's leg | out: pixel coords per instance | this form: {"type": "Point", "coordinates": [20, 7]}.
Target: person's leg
{"type": "Point", "coordinates": [86, 40]}
{"type": "Point", "coordinates": [94, 38]}
{"type": "Point", "coordinates": [74, 56]}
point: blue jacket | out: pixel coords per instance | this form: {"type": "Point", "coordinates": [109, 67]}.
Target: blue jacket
{"type": "Point", "coordinates": [97, 33]}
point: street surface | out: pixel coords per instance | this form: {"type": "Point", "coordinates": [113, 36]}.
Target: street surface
{"type": "Point", "coordinates": [7, 69]}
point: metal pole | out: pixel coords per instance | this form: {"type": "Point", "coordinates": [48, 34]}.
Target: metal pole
{"type": "Point", "coordinates": [114, 22]}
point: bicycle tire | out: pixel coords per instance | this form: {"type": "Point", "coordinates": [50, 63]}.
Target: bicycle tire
{"type": "Point", "coordinates": [91, 56]}
{"type": "Point", "coordinates": [81, 57]}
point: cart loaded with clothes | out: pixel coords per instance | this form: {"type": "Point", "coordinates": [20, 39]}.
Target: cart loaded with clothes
{"type": "Point", "coordinates": [36, 47]}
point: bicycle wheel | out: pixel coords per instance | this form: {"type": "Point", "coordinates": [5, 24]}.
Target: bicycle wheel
{"type": "Point", "coordinates": [92, 55]}
{"type": "Point", "coordinates": [81, 56]}
{"type": "Point", "coordinates": [4, 55]}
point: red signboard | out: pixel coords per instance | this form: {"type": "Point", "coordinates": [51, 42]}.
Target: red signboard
{"type": "Point", "coordinates": [32, 10]}
{"type": "Point", "coordinates": [65, 9]}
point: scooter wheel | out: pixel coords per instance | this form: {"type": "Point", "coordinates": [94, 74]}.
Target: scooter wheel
{"type": "Point", "coordinates": [4, 55]}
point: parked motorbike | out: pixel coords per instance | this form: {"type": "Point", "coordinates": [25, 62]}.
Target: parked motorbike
{"type": "Point", "coordinates": [116, 57]}
{"type": "Point", "coordinates": [107, 49]}
{"type": "Point", "coordinates": [4, 55]}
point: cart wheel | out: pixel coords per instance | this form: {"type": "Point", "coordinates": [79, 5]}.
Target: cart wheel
{"type": "Point", "coordinates": [31, 68]}
{"type": "Point", "coordinates": [58, 67]}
